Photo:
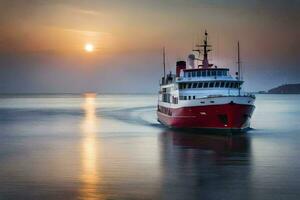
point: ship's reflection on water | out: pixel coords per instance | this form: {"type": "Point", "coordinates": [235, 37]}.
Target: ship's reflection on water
{"type": "Point", "coordinates": [204, 165]}
{"type": "Point", "coordinates": [217, 143]}
{"type": "Point", "coordinates": [221, 146]}
{"type": "Point", "coordinates": [90, 164]}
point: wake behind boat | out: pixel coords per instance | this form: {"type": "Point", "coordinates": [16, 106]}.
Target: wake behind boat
{"type": "Point", "coordinates": [204, 96]}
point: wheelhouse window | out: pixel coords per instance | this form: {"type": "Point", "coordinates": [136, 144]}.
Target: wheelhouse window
{"type": "Point", "coordinates": [211, 84]}
{"type": "Point", "coordinates": [219, 73]}
{"type": "Point", "coordinates": [217, 84]}
{"type": "Point", "coordinates": [226, 84]}
{"type": "Point", "coordinates": [200, 85]}
{"type": "Point", "coordinates": [222, 84]}
{"type": "Point", "coordinates": [193, 74]}
{"type": "Point", "coordinates": [205, 85]}
{"type": "Point", "coordinates": [198, 73]}
{"type": "Point", "coordinates": [214, 73]}
{"type": "Point", "coordinates": [203, 73]}
{"type": "Point", "coordinates": [189, 85]}
{"type": "Point", "coordinates": [195, 85]}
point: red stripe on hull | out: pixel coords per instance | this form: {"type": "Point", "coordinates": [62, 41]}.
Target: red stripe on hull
{"type": "Point", "coordinates": [227, 116]}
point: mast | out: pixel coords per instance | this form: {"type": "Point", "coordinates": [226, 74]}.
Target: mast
{"type": "Point", "coordinates": [239, 66]}
{"type": "Point", "coordinates": [205, 46]}
{"type": "Point", "coordinates": [164, 62]}
{"type": "Point", "coordinates": [239, 62]}
{"type": "Point", "coordinates": [205, 59]}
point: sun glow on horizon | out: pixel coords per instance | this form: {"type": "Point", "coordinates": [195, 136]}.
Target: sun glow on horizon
{"type": "Point", "coordinates": [88, 47]}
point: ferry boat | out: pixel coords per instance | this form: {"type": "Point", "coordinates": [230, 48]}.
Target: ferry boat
{"type": "Point", "coordinates": [204, 96]}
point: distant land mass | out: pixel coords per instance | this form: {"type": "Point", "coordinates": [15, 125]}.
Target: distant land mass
{"type": "Point", "coordinates": [286, 89]}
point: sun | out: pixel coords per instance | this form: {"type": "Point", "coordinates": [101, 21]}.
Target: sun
{"type": "Point", "coordinates": [88, 47]}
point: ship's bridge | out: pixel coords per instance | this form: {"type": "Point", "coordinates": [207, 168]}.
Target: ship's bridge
{"type": "Point", "coordinates": [187, 75]}
{"type": "Point", "coordinates": [209, 80]}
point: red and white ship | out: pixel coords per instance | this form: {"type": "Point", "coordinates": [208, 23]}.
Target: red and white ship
{"type": "Point", "coordinates": [204, 96]}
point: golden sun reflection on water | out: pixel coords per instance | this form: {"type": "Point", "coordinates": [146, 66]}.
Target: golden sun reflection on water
{"type": "Point", "coordinates": [89, 174]}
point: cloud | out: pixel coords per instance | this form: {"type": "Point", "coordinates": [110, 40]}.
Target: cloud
{"type": "Point", "coordinates": [86, 12]}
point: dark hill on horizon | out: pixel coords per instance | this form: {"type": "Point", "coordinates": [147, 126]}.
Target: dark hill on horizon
{"type": "Point", "coordinates": [286, 89]}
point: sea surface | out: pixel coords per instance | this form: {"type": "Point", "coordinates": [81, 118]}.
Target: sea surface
{"type": "Point", "coordinates": [111, 147]}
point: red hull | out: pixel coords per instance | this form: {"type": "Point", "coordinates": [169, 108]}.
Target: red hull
{"type": "Point", "coordinates": [227, 116]}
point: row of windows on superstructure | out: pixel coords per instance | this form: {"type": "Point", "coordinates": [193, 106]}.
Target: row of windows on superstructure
{"type": "Point", "coordinates": [212, 84]}
{"type": "Point", "coordinates": [169, 99]}
{"type": "Point", "coordinates": [192, 98]}
{"type": "Point", "coordinates": [204, 73]}
{"type": "Point", "coordinates": [187, 97]}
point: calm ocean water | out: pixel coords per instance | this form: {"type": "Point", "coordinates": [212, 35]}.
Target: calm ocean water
{"type": "Point", "coordinates": [111, 147]}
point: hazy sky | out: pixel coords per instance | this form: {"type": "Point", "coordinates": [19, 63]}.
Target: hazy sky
{"type": "Point", "coordinates": [42, 42]}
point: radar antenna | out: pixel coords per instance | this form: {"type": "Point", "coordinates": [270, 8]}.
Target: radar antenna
{"type": "Point", "coordinates": [205, 46]}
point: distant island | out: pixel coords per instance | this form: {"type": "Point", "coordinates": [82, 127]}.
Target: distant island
{"type": "Point", "coordinates": [286, 89]}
